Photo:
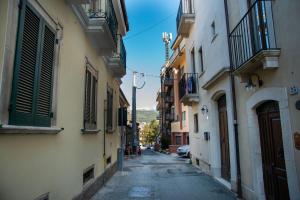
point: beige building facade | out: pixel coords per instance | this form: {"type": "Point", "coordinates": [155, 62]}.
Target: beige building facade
{"type": "Point", "coordinates": [266, 79]}
{"type": "Point", "coordinates": [241, 87]}
{"type": "Point", "coordinates": [60, 67]}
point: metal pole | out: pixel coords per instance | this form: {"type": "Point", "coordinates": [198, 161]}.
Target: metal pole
{"type": "Point", "coordinates": [134, 113]}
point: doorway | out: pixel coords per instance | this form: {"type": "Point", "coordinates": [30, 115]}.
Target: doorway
{"type": "Point", "coordinates": [224, 139]}
{"type": "Point", "coordinates": [272, 151]}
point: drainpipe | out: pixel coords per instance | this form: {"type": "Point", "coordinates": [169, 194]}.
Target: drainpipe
{"type": "Point", "coordinates": [236, 133]}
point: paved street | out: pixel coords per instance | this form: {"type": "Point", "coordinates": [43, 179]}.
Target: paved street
{"type": "Point", "coordinates": [161, 177]}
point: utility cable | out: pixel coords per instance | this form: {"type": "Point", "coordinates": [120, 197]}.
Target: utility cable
{"type": "Point", "coordinates": [149, 28]}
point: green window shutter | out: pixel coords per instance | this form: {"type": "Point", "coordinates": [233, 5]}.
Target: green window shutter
{"type": "Point", "coordinates": [45, 83]}
{"type": "Point", "coordinates": [94, 103]}
{"type": "Point", "coordinates": [22, 112]}
{"type": "Point", "coordinates": [90, 105]}
{"type": "Point", "coordinates": [109, 108]}
{"type": "Point", "coordinates": [33, 70]}
{"type": "Point", "coordinates": [87, 107]}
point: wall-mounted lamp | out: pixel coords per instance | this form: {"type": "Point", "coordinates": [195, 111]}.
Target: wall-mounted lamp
{"type": "Point", "coordinates": [204, 111]}
{"type": "Point", "coordinates": [250, 86]}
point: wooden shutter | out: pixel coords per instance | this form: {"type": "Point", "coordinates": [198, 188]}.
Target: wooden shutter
{"type": "Point", "coordinates": [90, 105]}
{"type": "Point", "coordinates": [87, 110]}
{"type": "Point", "coordinates": [94, 103]}
{"type": "Point", "coordinates": [33, 70]}
{"type": "Point", "coordinates": [109, 108]}
{"type": "Point", "coordinates": [43, 105]}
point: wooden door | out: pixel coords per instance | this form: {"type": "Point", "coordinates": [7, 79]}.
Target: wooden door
{"type": "Point", "coordinates": [274, 171]}
{"type": "Point", "coordinates": [224, 141]}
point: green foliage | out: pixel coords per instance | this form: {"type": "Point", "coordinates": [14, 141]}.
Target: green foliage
{"type": "Point", "coordinates": [146, 115]}
{"type": "Point", "coordinates": [150, 132]}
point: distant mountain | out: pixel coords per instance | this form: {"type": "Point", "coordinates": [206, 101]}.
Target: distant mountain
{"type": "Point", "coordinates": [146, 115]}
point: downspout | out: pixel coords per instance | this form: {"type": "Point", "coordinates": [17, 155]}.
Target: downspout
{"type": "Point", "coordinates": [104, 132]}
{"type": "Point", "coordinates": [236, 133]}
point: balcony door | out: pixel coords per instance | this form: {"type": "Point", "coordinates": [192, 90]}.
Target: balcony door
{"type": "Point", "coordinates": [259, 25]}
{"type": "Point", "coordinates": [272, 151]}
{"type": "Point", "coordinates": [224, 139]}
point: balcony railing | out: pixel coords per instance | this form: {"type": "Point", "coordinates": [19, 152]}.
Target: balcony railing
{"type": "Point", "coordinates": [186, 10]}
{"type": "Point", "coordinates": [169, 99]}
{"type": "Point", "coordinates": [168, 81]}
{"type": "Point", "coordinates": [253, 34]}
{"type": "Point", "coordinates": [123, 53]}
{"type": "Point", "coordinates": [117, 62]}
{"type": "Point", "coordinates": [102, 9]}
{"type": "Point", "coordinates": [188, 88]}
{"type": "Point", "coordinates": [170, 116]}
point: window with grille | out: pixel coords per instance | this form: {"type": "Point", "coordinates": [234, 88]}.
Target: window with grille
{"type": "Point", "coordinates": [31, 98]}
{"type": "Point", "coordinates": [109, 112]}
{"type": "Point", "coordinates": [88, 174]}
{"type": "Point", "coordinates": [90, 105]}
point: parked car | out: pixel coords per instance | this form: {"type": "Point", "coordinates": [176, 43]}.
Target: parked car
{"type": "Point", "coordinates": [184, 151]}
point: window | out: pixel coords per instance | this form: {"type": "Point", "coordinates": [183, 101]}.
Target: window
{"type": "Point", "coordinates": [32, 87]}
{"type": "Point", "coordinates": [183, 118]}
{"type": "Point", "coordinates": [201, 60]}
{"type": "Point", "coordinates": [90, 104]}
{"type": "Point", "coordinates": [88, 174]}
{"type": "Point", "coordinates": [178, 139]}
{"type": "Point", "coordinates": [193, 60]}
{"type": "Point", "coordinates": [196, 128]}
{"type": "Point", "coordinates": [109, 111]}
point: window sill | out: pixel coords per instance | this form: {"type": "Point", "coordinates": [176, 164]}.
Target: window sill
{"type": "Point", "coordinates": [12, 129]}
{"type": "Point", "coordinates": [90, 131]}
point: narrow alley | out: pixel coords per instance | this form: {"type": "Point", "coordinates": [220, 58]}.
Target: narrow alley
{"type": "Point", "coordinates": [159, 176]}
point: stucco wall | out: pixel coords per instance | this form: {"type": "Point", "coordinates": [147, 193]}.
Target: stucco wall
{"type": "Point", "coordinates": [32, 165]}
{"type": "Point", "coordinates": [287, 75]}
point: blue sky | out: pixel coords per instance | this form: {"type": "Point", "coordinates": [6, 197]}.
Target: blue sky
{"type": "Point", "coordinates": [145, 51]}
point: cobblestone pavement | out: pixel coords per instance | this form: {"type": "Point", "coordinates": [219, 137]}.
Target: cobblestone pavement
{"type": "Point", "coordinates": [161, 177]}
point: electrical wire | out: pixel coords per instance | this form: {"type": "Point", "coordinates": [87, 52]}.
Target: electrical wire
{"type": "Point", "coordinates": [149, 28]}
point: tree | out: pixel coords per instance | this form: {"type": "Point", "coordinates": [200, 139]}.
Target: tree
{"type": "Point", "coordinates": [150, 132]}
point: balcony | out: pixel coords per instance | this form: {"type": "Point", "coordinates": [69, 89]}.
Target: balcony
{"type": "Point", "coordinates": [168, 81]}
{"type": "Point", "coordinates": [99, 20]}
{"type": "Point", "coordinates": [158, 106]}
{"type": "Point", "coordinates": [117, 62]}
{"type": "Point", "coordinates": [253, 42]}
{"type": "Point", "coordinates": [170, 116]}
{"type": "Point", "coordinates": [169, 99]}
{"type": "Point", "coordinates": [188, 89]}
{"type": "Point", "coordinates": [185, 17]}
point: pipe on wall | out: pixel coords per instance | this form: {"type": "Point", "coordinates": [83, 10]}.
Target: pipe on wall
{"type": "Point", "coordinates": [236, 133]}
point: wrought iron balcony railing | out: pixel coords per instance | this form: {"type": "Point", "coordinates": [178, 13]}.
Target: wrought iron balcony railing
{"type": "Point", "coordinates": [170, 116]}
{"type": "Point", "coordinates": [253, 34]}
{"type": "Point", "coordinates": [188, 84]}
{"type": "Point", "coordinates": [186, 7]}
{"type": "Point", "coordinates": [169, 99]}
{"type": "Point", "coordinates": [168, 81]}
{"type": "Point", "coordinates": [123, 53]}
{"type": "Point", "coordinates": [104, 9]}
